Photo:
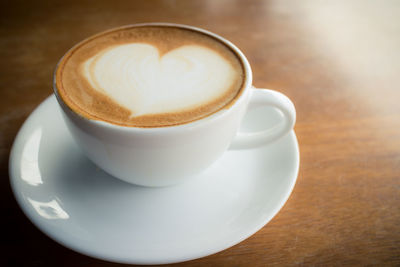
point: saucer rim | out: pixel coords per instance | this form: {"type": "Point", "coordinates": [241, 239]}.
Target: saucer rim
{"type": "Point", "coordinates": [85, 250]}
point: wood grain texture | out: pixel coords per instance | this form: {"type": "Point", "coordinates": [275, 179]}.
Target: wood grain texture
{"type": "Point", "coordinates": [339, 62]}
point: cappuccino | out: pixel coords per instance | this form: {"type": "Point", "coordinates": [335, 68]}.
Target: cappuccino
{"type": "Point", "coordinates": [149, 76]}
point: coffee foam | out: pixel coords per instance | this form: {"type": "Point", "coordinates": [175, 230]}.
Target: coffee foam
{"type": "Point", "coordinates": [150, 76]}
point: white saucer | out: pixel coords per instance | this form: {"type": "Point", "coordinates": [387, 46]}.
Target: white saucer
{"type": "Point", "coordinates": [86, 210]}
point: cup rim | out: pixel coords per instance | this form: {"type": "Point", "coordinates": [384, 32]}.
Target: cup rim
{"type": "Point", "coordinates": [209, 118]}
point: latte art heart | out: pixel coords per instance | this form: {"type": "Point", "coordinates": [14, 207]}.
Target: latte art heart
{"type": "Point", "coordinates": [141, 80]}
{"type": "Point", "coordinates": [150, 76]}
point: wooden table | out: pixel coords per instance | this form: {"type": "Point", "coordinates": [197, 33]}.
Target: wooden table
{"type": "Point", "coordinates": [340, 64]}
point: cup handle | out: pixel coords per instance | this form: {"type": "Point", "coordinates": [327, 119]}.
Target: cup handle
{"type": "Point", "coordinates": [266, 97]}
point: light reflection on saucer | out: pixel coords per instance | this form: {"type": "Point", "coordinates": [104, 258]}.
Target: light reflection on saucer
{"type": "Point", "coordinates": [49, 210]}
{"type": "Point", "coordinates": [30, 171]}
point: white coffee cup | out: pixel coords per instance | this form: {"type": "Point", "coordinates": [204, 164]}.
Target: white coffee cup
{"type": "Point", "coordinates": [169, 155]}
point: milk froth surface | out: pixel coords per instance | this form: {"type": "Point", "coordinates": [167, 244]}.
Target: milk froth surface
{"type": "Point", "coordinates": [149, 76]}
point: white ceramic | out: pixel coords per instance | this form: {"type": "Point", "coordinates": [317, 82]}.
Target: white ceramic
{"type": "Point", "coordinates": [169, 155]}
{"type": "Point", "coordinates": [80, 206]}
